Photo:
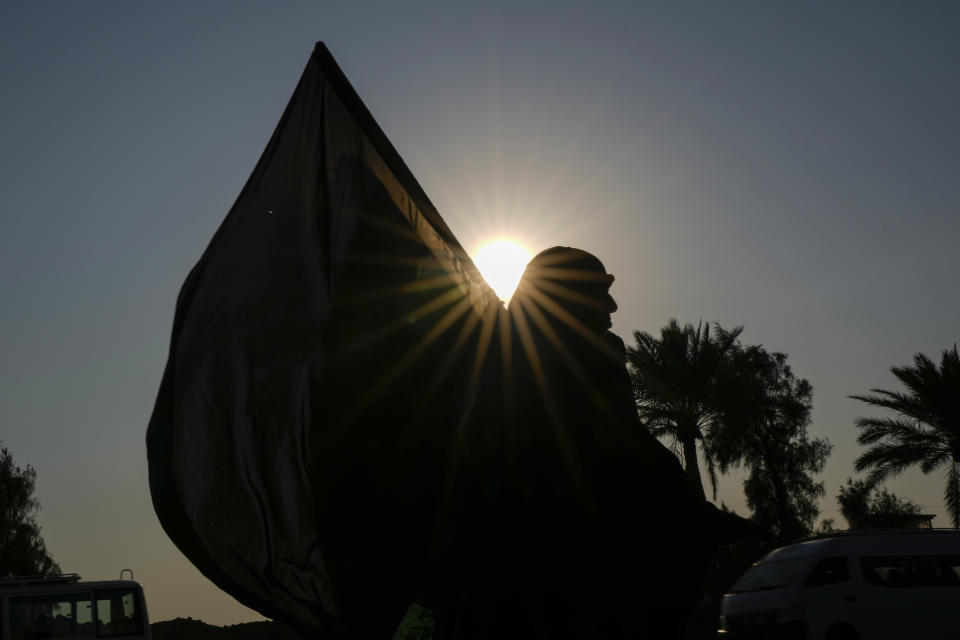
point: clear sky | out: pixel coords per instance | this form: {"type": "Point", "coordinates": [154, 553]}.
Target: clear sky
{"type": "Point", "coordinates": [791, 167]}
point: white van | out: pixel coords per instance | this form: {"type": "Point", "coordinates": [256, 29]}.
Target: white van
{"type": "Point", "coordinates": [851, 585]}
{"type": "Point", "coordinates": [36, 608]}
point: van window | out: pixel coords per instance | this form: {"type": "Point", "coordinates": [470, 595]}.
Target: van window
{"type": "Point", "coordinates": [770, 575]}
{"type": "Point", "coordinates": [911, 571]}
{"type": "Point", "coordinates": [61, 615]}
{"type": "Point", "coordinates": [828, 571]}
{"type": "Point", "coordinates": [118, 613]}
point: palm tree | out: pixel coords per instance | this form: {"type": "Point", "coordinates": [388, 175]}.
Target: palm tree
{"type": "Point", "coordinates": [676, 383]}
{"type": "Point", "coordinates": [924, 429]}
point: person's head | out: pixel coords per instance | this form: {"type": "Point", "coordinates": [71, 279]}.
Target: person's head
{"type": "Point", "coordinates": [575, 280]}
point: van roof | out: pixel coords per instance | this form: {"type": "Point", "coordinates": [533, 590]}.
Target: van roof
{"type": "Point", "coordinates": [12, 588]}
{"type": "Point", "coordinates": [871, 541]}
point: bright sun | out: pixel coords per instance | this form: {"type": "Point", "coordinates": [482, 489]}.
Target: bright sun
{"type": "Point", "coordinates": [501, 263]}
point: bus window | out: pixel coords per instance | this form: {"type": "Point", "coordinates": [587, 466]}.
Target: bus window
{"type": "Point", "coordinates": [911, 571]}
{"type": "Point", "coordinates": [118, 613]}
{"type": "Point", "coordinates": [827, 571]}
{"type": "Point", "coordinates": [61, 615]}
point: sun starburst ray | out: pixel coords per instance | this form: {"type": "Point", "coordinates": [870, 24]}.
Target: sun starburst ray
{"type": "Point", "coordinates": [418, 286]}
{"type": "Point", "coordinates": [574, 365]}
{"type": "Point", "coordinates": [532, 289]}
{"type": "Point", "coordinates": [404, 362]}
{"type": "Point", "coordinates": [556, 421]}
{"type": "Point", "coordinates": [388, 328]}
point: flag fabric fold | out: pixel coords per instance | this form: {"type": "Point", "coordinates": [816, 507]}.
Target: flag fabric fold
{"type": "Point", "coordinates": [316, 376]}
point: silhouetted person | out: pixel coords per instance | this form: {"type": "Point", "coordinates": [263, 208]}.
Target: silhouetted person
{"type": "Point", "coordinates": [578, 524]}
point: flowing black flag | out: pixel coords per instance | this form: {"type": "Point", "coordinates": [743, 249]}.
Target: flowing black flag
{"type": "Point", "coordinates": [319, 366]}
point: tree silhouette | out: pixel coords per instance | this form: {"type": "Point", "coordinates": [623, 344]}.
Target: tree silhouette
{"type": "Point", "coordinates": [678, 382]}
{"type": "Point", "coordinates": [765, 430]}
{"type": "Point", "coordinates": [22, 550]}
{"type": "Point", "coordinates": [924, 428]}
{"type": "Point", "coordinates": [862, 504]}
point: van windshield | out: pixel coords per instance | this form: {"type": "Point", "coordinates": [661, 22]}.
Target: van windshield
{"type": "Point", "coordinates": [771, 575]}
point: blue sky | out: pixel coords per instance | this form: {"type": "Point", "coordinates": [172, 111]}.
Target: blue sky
{"type": "Point", "coordinates": [791, 167]}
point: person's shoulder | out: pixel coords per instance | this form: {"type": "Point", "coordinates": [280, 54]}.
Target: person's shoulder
{"type": "Point", "coordinates": [615, 348]}
{"type": "Point", "coordinates": [614, 341]}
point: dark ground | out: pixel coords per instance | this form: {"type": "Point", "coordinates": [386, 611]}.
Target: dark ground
{"type": "Point", "coordinates": [190, 629]}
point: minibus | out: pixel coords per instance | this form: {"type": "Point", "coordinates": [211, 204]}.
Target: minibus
{"type": "Point", "coordinates": [37, 607]}
{"type": "Point", "coordinates": [857, 585]}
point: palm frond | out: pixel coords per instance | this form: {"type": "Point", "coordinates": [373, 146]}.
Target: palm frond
{"type": "Point", "coordinates": [891, 453]}
{"type": "Point", "coordinates": [896, 429]}
{"type": "Point", "coordinates": [935, 461]}
{"type": "Point", "coordinates": [888, 459]}
{"type": "Point", "coordinates": [951, 494]}
{"type": "Point", "coordinates": [905, 404]}
{"type": "Point", "coordinates": [926, 430]}
{"type": "Point", "coordinates": [675, 448]}
{"type": "Point", "coordinates": [727, 337]}
{"type": "Point", "coordinates": [662, 431]}
{"type": "Point", "coordinates": [880, 474]}
{"type": "Point", "coordinates": [919, 376]}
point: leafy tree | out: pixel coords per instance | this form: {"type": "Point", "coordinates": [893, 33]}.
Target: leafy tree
{"type": "Point", "coordinates": [826, 526]}
{"type": "Point", "coordinates": [766, 431]}
{"type": "Point", "coordinates": [863, 504]}
{"type": "Point", "coordinates": [677, 385]}
{"type": "Point", "coordinates": [22, 551]}
{"type": "Point", "coordinates": [924, 428]}
{"type": "Point", "coordinates": [854, 501]}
